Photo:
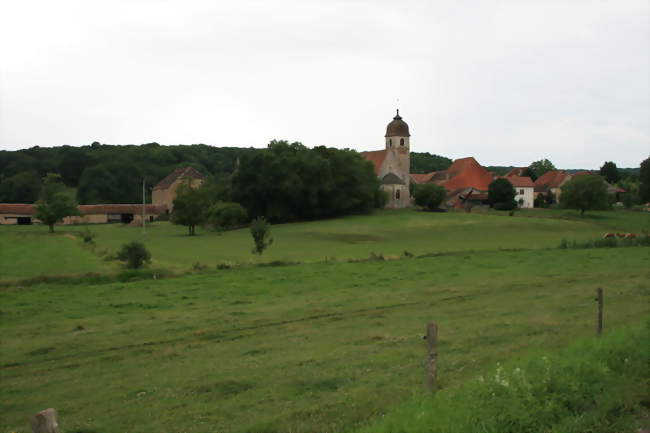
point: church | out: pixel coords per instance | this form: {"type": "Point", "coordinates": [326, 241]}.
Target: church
{"type": "Point", "coordinates": [393, 164]}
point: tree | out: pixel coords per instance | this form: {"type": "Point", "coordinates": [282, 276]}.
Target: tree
{"type": "Point", "coordinates": [644, 178]}
{"type": "Point", "coordinates": [261, 232]}
{"type": "Point", "coordinates": [226, 215]}
{"type": "Point", "coordinates": [501, 194]}
{"type": "Point", "coordinates": [610, 172]}
{"type": "Point", "coordinates": [529, 173]}
{"type": "Point", "coordinates": [190, 207]}
{"type": "Point", "coordinates": [429, 195]}
{"type": "Point", "coordinates": [23, 187]}
{"type": "Point", "coordinates": [542, 166]}
{"type": "Point", "coordinates": [585, 193]}
{"type": "Point", "coordinates": [54, 204]}
{"type": "Point", "coordinates": [135, 254]}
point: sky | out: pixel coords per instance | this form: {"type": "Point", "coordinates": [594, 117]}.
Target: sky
{"type": "Point", "coordinates": [508, 82]}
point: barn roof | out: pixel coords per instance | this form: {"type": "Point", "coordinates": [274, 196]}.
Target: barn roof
{"type": "Point", "coordinates": [422, 178]}
{"type": "Point", "coordinates": [516, 171]}
{"type": "Point", "coordinates": [17, 208]}
{"type": "Point", "coordinates": [179, 173]}
{"type": "Point", "coordinates": [465, 172]}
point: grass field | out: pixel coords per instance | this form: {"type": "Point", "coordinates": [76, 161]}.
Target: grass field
{"type": "Point", "coordinates": [307, 348]}
{"type": "Point", "coordinates": [320, 346]}
{"type": "Point", "coordinates": [29, 251]}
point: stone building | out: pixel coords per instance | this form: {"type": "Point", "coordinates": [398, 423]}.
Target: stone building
{"type": "Point", "coordinates": [392, 164]}
{"type": "Point", "coordinates": [164, 192]}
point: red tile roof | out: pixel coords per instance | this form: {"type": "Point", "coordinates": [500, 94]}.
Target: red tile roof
{"type": "Point", "coordinates": [422, 178]}
{"type": "Point", "coordinates": [552, 179]}
{"type": "Point", "coordinates": [517, 171]}
{"type": "Point", "coordinates": [467, 172]}
{"type": "Point", "coordinates": [521, 182]}
{"type": "Point", "coordinates": [377, 157]}
{"type": "Point", "coordinates": [17, 208]}
{"type": "Point", "coordinates": [179, 173]}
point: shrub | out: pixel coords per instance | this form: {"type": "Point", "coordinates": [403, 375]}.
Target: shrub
{"type": "Point", "coordinates": [429, 195]}
{"type": "Point", "coordinates": [226, 215]}
{"type": "Point", "coordinates": [88, 236]}
{"type": "Point", "coordinates": [501, 194]}
{"type": "Point", "coordinates": [261, 232]}
{"type": "Point", "coordinates": [135, 254]}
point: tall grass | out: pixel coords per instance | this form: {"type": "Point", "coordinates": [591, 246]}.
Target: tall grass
{"type": "Point", "coordinates": [596, 386]}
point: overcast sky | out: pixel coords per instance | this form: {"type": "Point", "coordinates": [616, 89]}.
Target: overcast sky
{"type": "Point", "coordinates": [507, 82]}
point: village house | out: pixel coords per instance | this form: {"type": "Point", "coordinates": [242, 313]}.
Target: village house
{"type": "Point", "coordinates": [551, 182]}
{"type": "Point", "coordinates": [524, 190]}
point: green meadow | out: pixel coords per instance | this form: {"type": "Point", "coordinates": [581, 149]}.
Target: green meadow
{"type": "Point", "coordinates": [29, 251]}
{"type": "Point", "coordinates": [319, 346]}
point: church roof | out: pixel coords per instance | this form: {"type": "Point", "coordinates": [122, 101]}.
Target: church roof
{"type": "Point", "coordinates": [377, 157]}
{"type": "Point", "coordinates": [179, 173]}
{"type": "Point", "coordinates": [392, 179]}
{"type": "Point", "coordinates": [397, 127]}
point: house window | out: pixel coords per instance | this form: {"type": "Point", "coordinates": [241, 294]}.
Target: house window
{"type": "Point", "coordinates": [521, 192]}
{"type": "Point", "coordinates": [401, 142]}
{"type": "Point", "coordinates": [397, 195]}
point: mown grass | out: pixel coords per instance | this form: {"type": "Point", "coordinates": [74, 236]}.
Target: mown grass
{"type": "Point", "coordinates": [308, 348]}
{"type": "Point", "coordinates": [597, 385]}
{"type": "Point", "coordinates": [28, 251]}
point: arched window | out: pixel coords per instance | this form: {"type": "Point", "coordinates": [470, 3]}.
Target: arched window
{"type": "Point", "coordinates": [397, 195]}
{"type": "Point", "coordinates": [390, 142]}
{"type": "Point", "coordinates": [401, 142]}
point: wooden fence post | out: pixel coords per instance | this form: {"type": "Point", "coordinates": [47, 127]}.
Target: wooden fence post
{"type": "Point", "coordinates": [45, 422]}
{"type": "Point", "coordinates": [599, 325]}
{"type": "Point", "coordinates": [432, 356]}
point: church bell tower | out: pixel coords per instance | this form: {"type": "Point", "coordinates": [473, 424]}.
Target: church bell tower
{"type": "Point", "coordinates": [397, 141]}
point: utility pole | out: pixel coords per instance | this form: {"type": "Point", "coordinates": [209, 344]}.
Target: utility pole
{"type": "Point", "coordinates": [144, 230]}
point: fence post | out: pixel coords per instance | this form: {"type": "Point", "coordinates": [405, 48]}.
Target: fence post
{"type": "Point", "coordinates": [45, 422]}
{"type": "Point", "coordinates": [432, 356]}
{"type": "Point", "coordinates": [599, 298]}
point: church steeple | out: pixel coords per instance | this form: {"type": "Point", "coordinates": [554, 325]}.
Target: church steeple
{"type": "Point", "coordinates": [397, 133]}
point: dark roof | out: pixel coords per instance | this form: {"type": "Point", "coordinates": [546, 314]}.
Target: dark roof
{"type": "Point", "coordinates": [392, 179]}
{"type": "Point", "coordinates": [179, 173]}
{"type": "Point", "coordinates": [397, 128]}
{"type": "Point", "coordinates": [17, 208]}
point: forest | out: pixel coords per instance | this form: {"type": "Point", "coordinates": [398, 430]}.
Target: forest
{"type": "Point", "coordinates": [104, 173]}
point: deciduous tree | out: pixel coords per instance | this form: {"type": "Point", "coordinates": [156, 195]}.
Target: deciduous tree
{"type": "Point", "coordinates": [644, 178]}
{"type": "Point", "coordinates": [261, 232]}
{"type": "Point", "coordinates": [190, 206]}
{"type": "Point", "coordinates": [542, 166]}
{"type": "Point", "coordinates": [610, 172]}
{"type": "Point", "coordinates": [429, 195]}
{"type": "Point", "coordinates": [54, 204]}
{"type": "Point", "coordinates": [585, 193]}
{"type": "Point", "coordinates": [501, 194]}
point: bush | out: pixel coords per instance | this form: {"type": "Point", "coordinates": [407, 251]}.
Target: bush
{"type": "Point", "coordinates": [505, 205]}
{"type": "Point", "coordinates": [261, 232]}
{"type": "Point", "coordinates": [88, 236]}
{"type": "Point", "coordinates": [429, 195]}
{"type": "Point", "coordinates": [135, 254]}
{"type": "Point", "coordinates": [226, 215]}
{"type": "Point", "coordinates": [501, 194]}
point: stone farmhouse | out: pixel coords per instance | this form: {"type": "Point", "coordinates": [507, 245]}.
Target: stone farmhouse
{"type": "Point", "coordinates": [164, 192]}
